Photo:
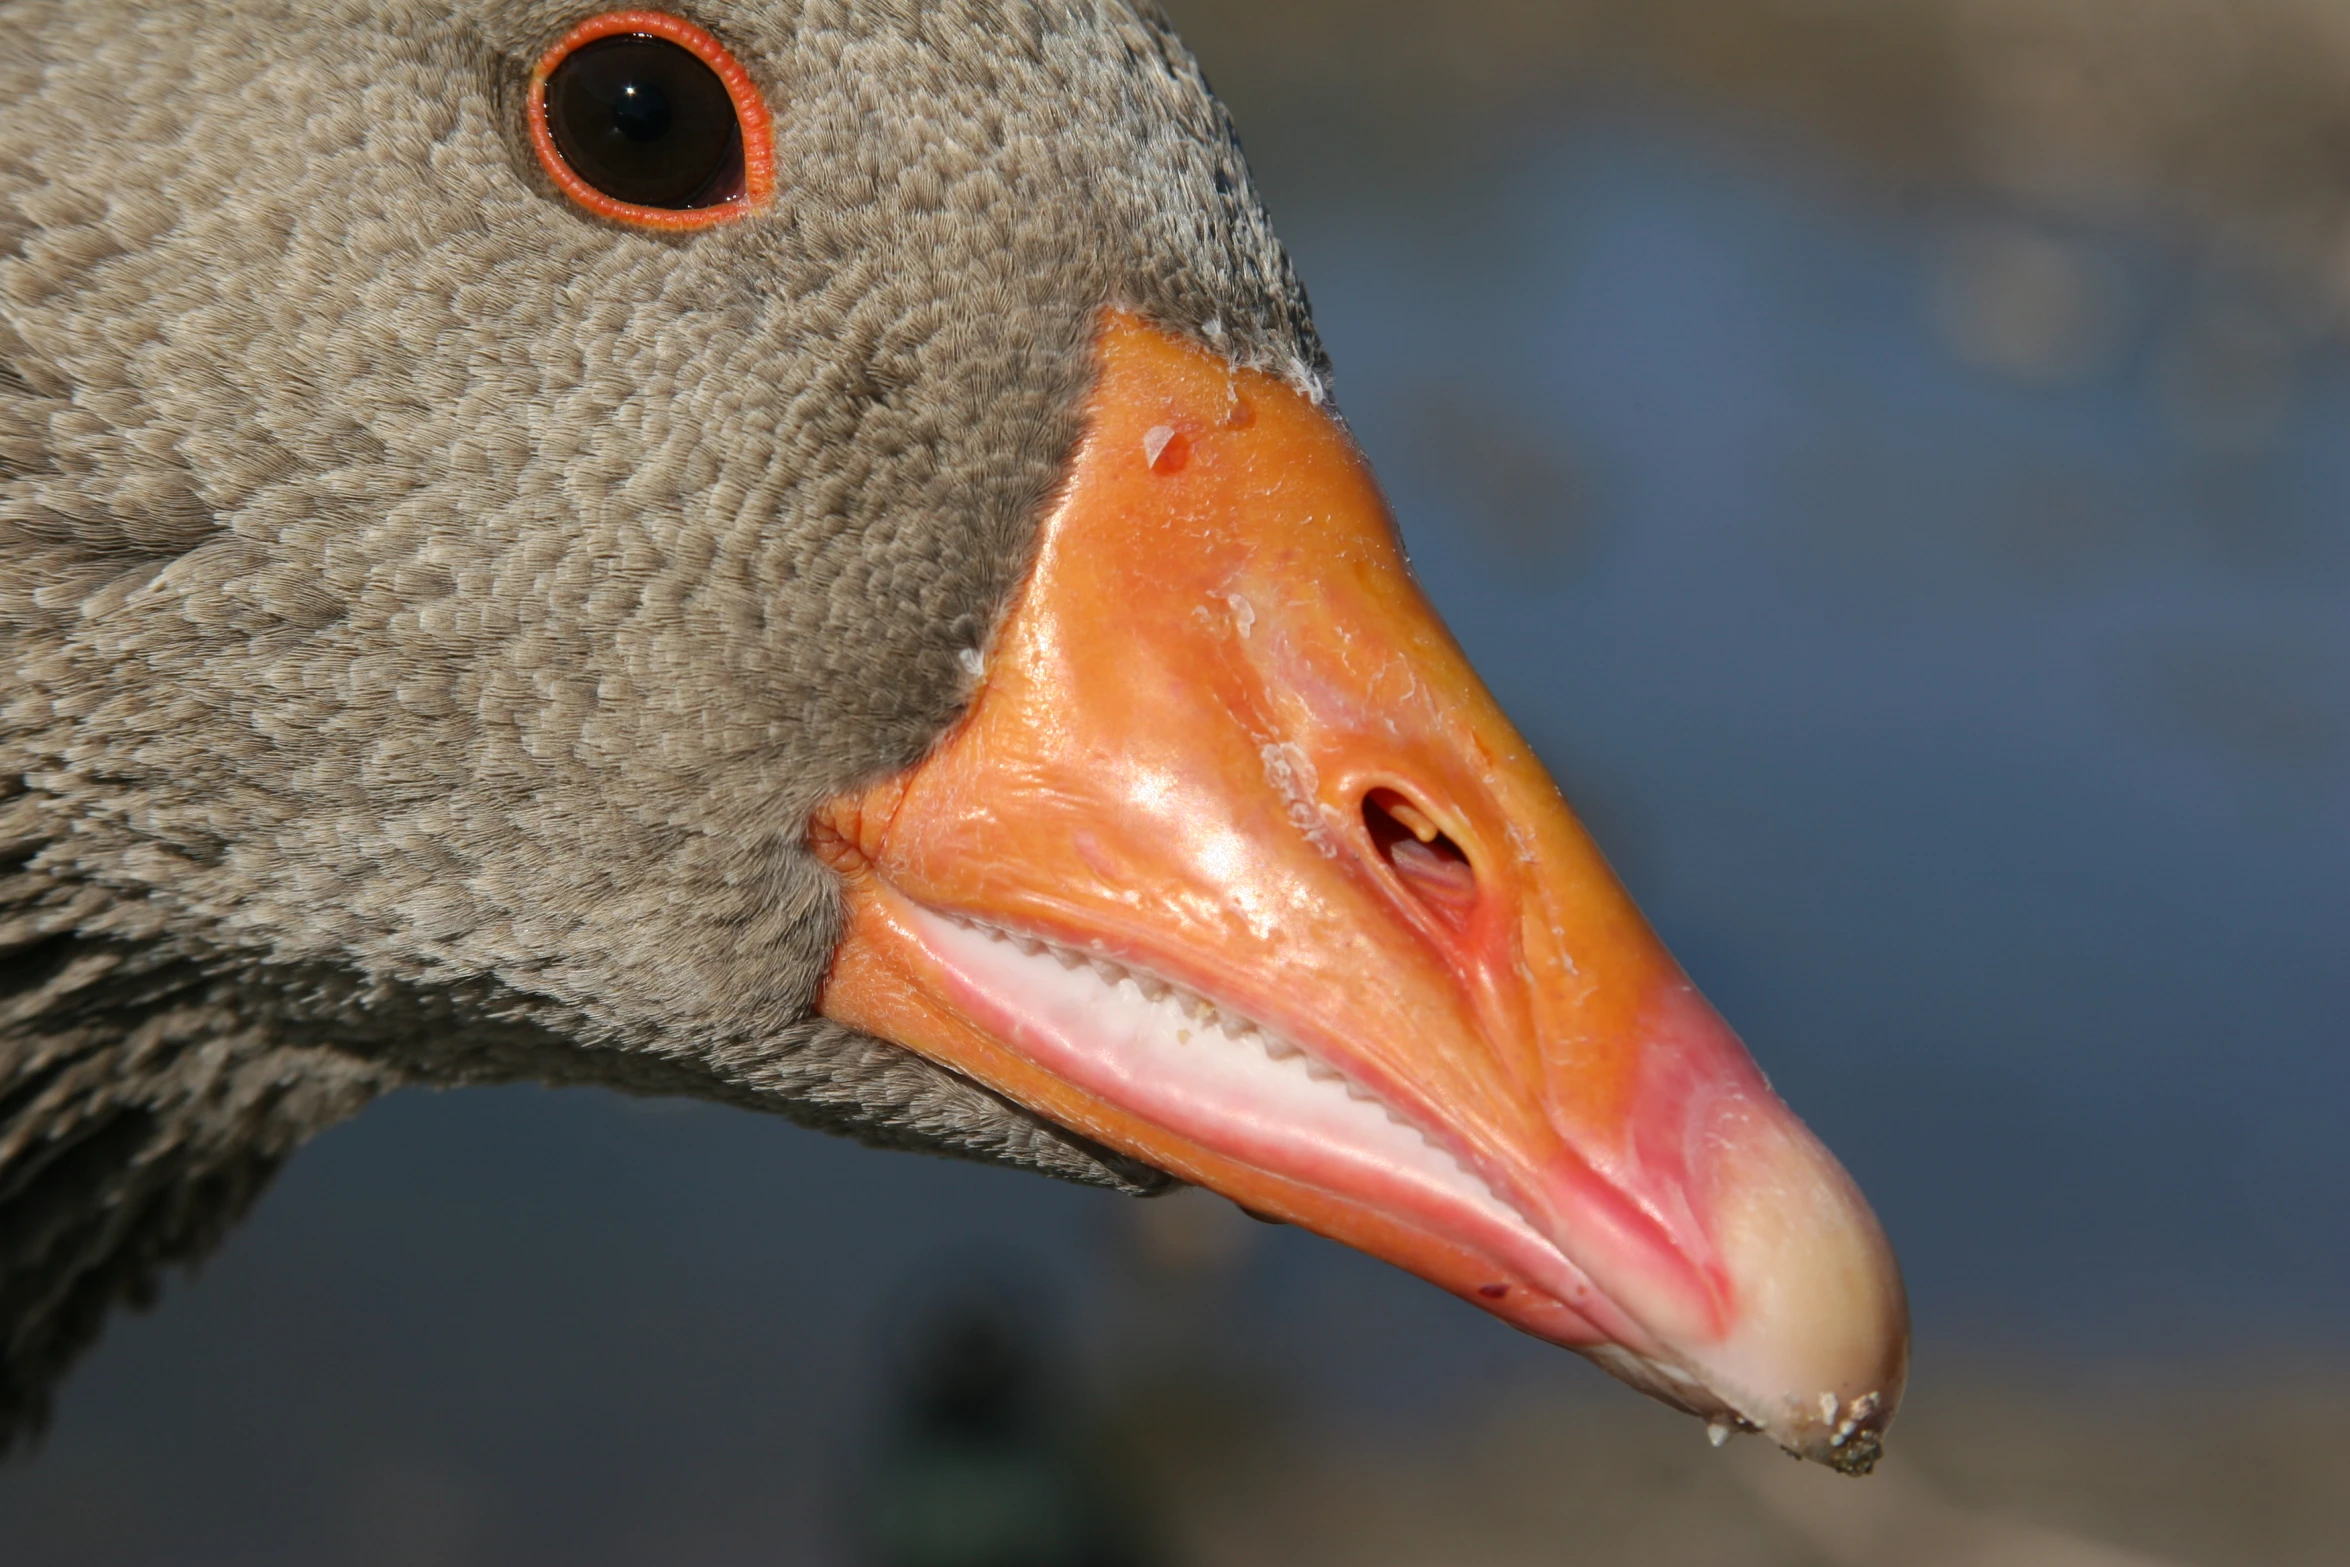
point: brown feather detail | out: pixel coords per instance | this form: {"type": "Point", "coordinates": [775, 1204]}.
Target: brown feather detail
{"type": "Point", "coordinates": [432, 612]}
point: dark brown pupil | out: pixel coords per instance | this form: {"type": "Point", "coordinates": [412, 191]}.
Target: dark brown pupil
{"type": "Point", "coordinates": [645, 122]}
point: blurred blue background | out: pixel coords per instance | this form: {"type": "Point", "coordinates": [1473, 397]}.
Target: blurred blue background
{"type": "Point", "coordinates": [1982, 744]}
{"type": "Point", "coordinates": [1934, 589]}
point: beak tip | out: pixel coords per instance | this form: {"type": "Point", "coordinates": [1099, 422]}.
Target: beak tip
{"type": "Point", "coordinates": [1819, 1355]}
{"type": "Point", "coordinates": [1845, 1434]}
{"type": "Point", "coordinates": [1809, 1340]}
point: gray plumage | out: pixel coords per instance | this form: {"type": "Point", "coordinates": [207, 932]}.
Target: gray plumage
{"type": "Point", "coordinates": [432, 612]}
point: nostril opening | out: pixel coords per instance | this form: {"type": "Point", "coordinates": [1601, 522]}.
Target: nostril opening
{"type": "Point", "coordinates": [1397, 825]}
{"type": "Point", "coordinates": [1431, 866]}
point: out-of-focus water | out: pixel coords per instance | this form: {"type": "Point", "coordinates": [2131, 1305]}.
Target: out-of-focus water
{"type": "Point", "coordinates": [1983, 746]}
{"type": "Point", "coordinates": [1981, 742]}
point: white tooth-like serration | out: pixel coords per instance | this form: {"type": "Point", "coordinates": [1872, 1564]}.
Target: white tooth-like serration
{"type": "Point", "coordinates": [1175, 1057]}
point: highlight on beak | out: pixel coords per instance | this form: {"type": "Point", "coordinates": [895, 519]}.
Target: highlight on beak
{"type": "Point", "coordinates": [1234, 865]}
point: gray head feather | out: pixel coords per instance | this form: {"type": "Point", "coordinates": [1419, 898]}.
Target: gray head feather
{"type": "Point", "coordinates": [432, 612]}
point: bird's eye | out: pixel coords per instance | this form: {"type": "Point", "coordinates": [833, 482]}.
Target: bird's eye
{"type": "Point", "coordinates": [644, 118]}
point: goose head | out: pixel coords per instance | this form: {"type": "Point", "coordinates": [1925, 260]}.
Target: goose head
{"type": "Point", "coordinates": [800, 553]}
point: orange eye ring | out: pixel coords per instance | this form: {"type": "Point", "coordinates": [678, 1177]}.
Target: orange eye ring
{"type": "Point", "coordinates": [750, 111]}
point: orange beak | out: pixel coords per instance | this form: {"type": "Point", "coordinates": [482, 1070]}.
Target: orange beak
{"type": "Point", "coordinates": [1234, 865]}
